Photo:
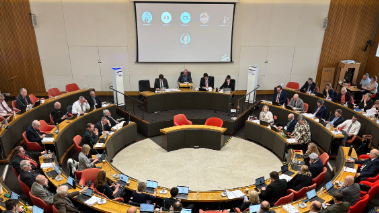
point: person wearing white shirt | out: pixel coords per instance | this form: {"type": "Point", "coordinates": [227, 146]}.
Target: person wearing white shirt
{"type": "Point", "coordinates": [266, 115]}
{"type": "Point", "coordinates": [80, 106]}
{"type": "Point", "coordinates": [365, 80]}
{"type": "Point", "coordinates": [5, 111]}
{"type": "Point", "coordinates": [350, 128]}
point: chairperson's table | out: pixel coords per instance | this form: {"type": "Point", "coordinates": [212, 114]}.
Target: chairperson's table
{"type": "Point", "coordinates": [185, 99]}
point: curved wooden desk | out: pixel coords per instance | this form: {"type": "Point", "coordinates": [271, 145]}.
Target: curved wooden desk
{"type": "Point", "coordinates": [6, 190]}
{"type": "Point", "coordinates": [186, 136]}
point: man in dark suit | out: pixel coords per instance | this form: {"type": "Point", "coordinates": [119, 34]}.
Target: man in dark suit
{"type": "Point", "coordinates": [92, 99]}
{"type": "Point", "coordinates": [369, 168]}
{"type": "Point", "coordinates": [228, 83]}
{"type": "Point", "coordinates": [160, 82]}
{"type": "Point", "coordinates": [177, 207]}
{"type": "Point", "coordinates": [339, 206]}
{"type": "Point", "coordinates": [90, 137]}
{"type": "Point", "coordinates": [168, 202]}
{"type": "Point", "coordinates": [27, 175]}
{"type": "Point", "coordinates": [33, 134]}
{"type": "Point", "coordinates": [20, 154]}
{"type": "Point", "coordinates": [57, 114]}
{"type": "Point", "coordinates": [275, 190]}
{"type": "Point", "coordinates": [316, 165]}
{"type": "Point", "coordinates": [62, 200]}
{"type": "Point", "coordinates": [351, 191]}
{"type": "Point", "coordinates": [315, 206]}
{"type": "Point", "coordinates": [280, 96]}
{"type": "Point", "coordinates": [185, 77]}
{"type": "Point", "coordinates": [107, 114]}
{"type": "Point", "coordinates": [206, 82]}
{"type": "Point", "coordinates": [11, 207]}
{"type": "Point", "coordinates": [265, 208]}
{"type": "Point", "coordinates": [23, 99]}
{"type": "Point", "coordinates": [336, 119]}
{"type": "Point", "coordinates": [309, 86]}
{"type": "Point", "coordinates": [320, 109]}
{"type": "Point", "coordinates": [103, 126]}
{"type": "Point", "coordinates": [39, 189]}
{"type": "Point", "coordinates": [290, 124]}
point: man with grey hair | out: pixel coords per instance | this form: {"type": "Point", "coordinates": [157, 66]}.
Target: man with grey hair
{"type": "Point", "coordinates": [33, 134]}
{"type": "Point", "coordinates": [20, 154]}
{"type": "Point", "coordinates": [302, 133]}
{"type": "Point", "coordinates": [62, 200]}
{"type": "Point", "coordinates": [296, 103]}
{"type": "Point", "coordinates": [107, 114]}
{"type": "Point", "coordinates": [39, 189]}
{"type": "Point", "coordinates": [27, 176]}
{"type": "Point", "coordinates": [80, 106]}
{"type": "Point", "coordinates": [316, 165]}
{"type": "Point", "coordinates": [132, 209]}
{"type": "Point", "coordinates": [93, 99]}
{"type": "Point", "coordinates": [5, 111]}
{"type": "Point", "coordinates": [23, 99]}
{"type": "Point", "coordinates": [103, 126]}
{"type": "Point", "coordinates": [309, 86]}
{"type": "Point", "coordinates": [369, 168]}
{"type": "Point", "coordinates": [351, 191]}
{"type": "Point", "coordinates": [57, 114]}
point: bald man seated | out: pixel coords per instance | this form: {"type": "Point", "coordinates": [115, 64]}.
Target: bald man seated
{"type": "Point", "coordinates": [39, 189]}
{"type": "Point", "coordinates": [351, 191]}
{"type": "Point", "coordinates": [369, 168]}
{"type": "Point", "coordinates": [290, 124]}
{"type": "Point", "coordinates": [296, 103]}
{"type": "Point", "coordinates": [315, 206]}
{"type": "Point", "coordinates": [265, 207]}
{"type": "Point", "coordinates": [33, 134]}
{"type": "Point", "coordinates": [57, 114]}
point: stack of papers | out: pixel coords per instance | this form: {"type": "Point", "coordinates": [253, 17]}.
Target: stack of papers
{"type": "Point", "coordinates": [98, 145]}
{"type": "Point", "coordinates": [256, 121]}
{"type": "Point", "coordinates": [234, 194]}
{"type": "Point", "coordinates": [45, 139]}
{"type": "Point", "coordinates": [104, 105]}
{"type": "Point", "coordinates": [336, 132]}
{"type": "Point", "coordinates": [351, 170]}
{"type": "Point", "coordinates": [290, 209]}
{"type": "Point", "coordinates": [308, 115]}
{"type": "Point", "coordinates": [285, 177]}
{"type": "Point", "coordinates": [291, 140]}
{"type": "Point", "coordinates": [119, 125]}
{"type": "Point", "coordinates": [92, 201]}
{"type": "Point", "coordinates": [47, 165]}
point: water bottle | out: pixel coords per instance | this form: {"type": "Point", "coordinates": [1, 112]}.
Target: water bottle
{"type": "Point", "coordinates": [328, 126]}
{"type": "Point", "coordinates": [171, 209]}
{"type": "Point", "coordinates": [49, 153]}
{"type": "Point", "coordinates": [197, 194]}
{"type": "Point", "coordinates": [283, 135]}
{"type": "Point", "coordinates": [57, 130]}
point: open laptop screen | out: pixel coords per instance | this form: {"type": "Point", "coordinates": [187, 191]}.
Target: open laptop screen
{"type": "Point", "coordinates": [151, 184]}
{"type": "Point", "coordinates": [329, 185]}
{"type": "Point", "coordinates": [183, 189]}
{"type": "Point", "coordinates": [259, 181]}
{"type": "Point", "coordinates": [254, 208]}
{"type": "Point", "coordinates": [311, 194]}
{"type": "Point", "coordinates": [146, 207]}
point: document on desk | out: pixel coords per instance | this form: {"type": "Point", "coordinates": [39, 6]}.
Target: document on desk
{"type": "Point", "coordinates": [99, 145]}
{"type": "Point", "coordinates": [234, 194]}
{"type": "Point", "coordinates": [336, 132]}
{"type": "Point", "coordinates": [46, 139]}
{"type": "Point", "coordinates": [308, 115]}
{"type": "Point", "coordinates": [47, 165]}
{"type": "Point", "coordinates": [285, 177]}
{"type": "Point", "coordinates": [351, 170]}
{"type": "Point", "coordinates": [291, 140]}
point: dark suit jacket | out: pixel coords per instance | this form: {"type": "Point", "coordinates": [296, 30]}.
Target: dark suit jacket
{"type": "Point", "coordinates": [274, 191]}
{"type": "Point", "coordinates": [370, 170]}
{"type": "Point", "coordinates": [347, 96]}
{"type": "Point", "coordinates": [321, 113]}
{"type": "Point", "coordinates": [291, 127]}
{"type": "Point", "coordinates": [369, 105]}
{"type": "Point", "coordinates": [210, 82]}
{"type": "Point", "coordinates": [28, 177]}
{"type": "Point", "coordinates": [301, 181]}
{"type": "Point", "coordinates": [90, 101]}
{"type": "Point", "coordinates": [62, 205]}
{"type": "Point", "coordinates": [225, 85]}
{"type": "Point", "coordinates": [351, 194]}
{"type": "Point", "coordinates": [168, 202]}
{"type": "Point", "coordinates": [21, 104]}
{"type": "Point", "coordinates": [57, 116]}
{"type": "Point", "coordinates": [337, 122]}
{"type": "Point", "coordinates": [181, 79]}
{"type": "Point", "coordinates": [17, 160]}
{"type": "Point", "coordinates": [100, 128]}
{"type": "Point", "coordinates": [316, 168]}
{"type": "Point", "coordinates": [89, 138]}
{"type": "Point", "coordinates": [32, 135]}
{"type": "Point", "coordinates": [343, 207]}
{"type": "Point", "coordinates": [282, 97]}
{"type": "Point", "coordinates": [111, 120]}
{"type": "Point", "coordinates": [157, 83]}
{"type": "Point", "coordinates": [305, 87]}
{"type": "Point", "coordinates": [331, 93]}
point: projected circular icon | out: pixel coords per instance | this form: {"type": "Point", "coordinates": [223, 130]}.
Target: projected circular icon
{"type": "Point", "coordinates": [204, 18]}
{"type": "Point", "coordinates": [147, 17]}
{"type": "Point", "coordinates": [166, 17]}
{"type": "Point", "coordinates": [185, 17]}
{"type": "Point", "coordinates": [185, 39]}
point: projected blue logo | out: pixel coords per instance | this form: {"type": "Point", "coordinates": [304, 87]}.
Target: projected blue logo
{"type": "Point", "coordinates": [185, 39]}
{"type": "Point", "coordinates": [204, 18]}
{"type": "Point", "coordinates": [185, 17]}
{"type": "Point", "coordinates": [166, 17]}
{"type": "Point", "coordinates": [147, 17]}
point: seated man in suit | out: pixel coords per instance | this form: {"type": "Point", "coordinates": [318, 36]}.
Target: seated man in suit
{"type": "Point", "coordinates": [107, 114]}
{"type": "Point", "coordinates": [5, 111]}
{"type": "Point", "coordinates": [32, 157]}
{"type": "Point", "coordinates": [62, 200]}
{"type": "Point", "coordinates": [160, 83]}
{"type": "Point", "coordinates": [185, 77]}
{"type": "Point", "coordinates": [90, 137]}
{"type": "Point", "coordinates": [57, 114]}
{"type": "Point", "coordinates": [92, 99]}
{"type": "Point", "coordinates": [275, 190]}
{"type": "Point", "coordinates": [168, 202]}
{"type": "Point", "coordinates": [296, 103]}
{"type": "Point", "coordinates": [351, 191]}
{"type": "Point", "coordinates": [27, 175]}
{"type": "Point", "coordinates": [103, 126]}
{"type": "Point", "coordinates": [336, 119]}
{"type": "Point", "coordinates": [366, 104]}
{"type": "Point", "coordinates": [80, 106]}
{"type": "Point", "coordinates": [12, 206]}
{"type": "Point", "coordinates": [39, 189]}
{"type": "Point", "coordinates": [290, 124]}
{"type": "Point", "coordinates": [280, 96]}
{"type": "Point", "coordinates": [369, 168]}
{"type": "Point", "coordinates": [33, 134]}
{"type": "Point", "coordinates": [316, 165]}
{"type": "Point", "coordinates": [309, 86]}
{"type": "Point", "coordinates": [265, 207]}
{"type": "Point", "coordinates": [339, 206]}
{"type": "Point", "coordinates": [177, 207]}
{"type": "Point", "coordinates": [23, 99]}
{"type": "Point", "coordinates": [206, 82]}
{"type": "Point", "coordinates": [320, 109]}
{"type": "Point", "coordinates": [315, 206]}
{"type": "Point", "coordinates": [228, 83]}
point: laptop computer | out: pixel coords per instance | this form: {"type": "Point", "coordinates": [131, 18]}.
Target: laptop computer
{"type": "Point", "coordinates": [69, 183]}
{"type": "Point", "coordinates": [289, 108]}
{"type": "Point", "coordinates": [285, 170]}
{"type": "Point", "coordinates": [320, 95]}
{"type": "Point", "coordinates": [53, 173]}
{"type": "Point", "coordinates": [337, 100]}
{"type": "Point", "coordinates": [295, 167]}
{"type": "Point", "coordinates": [144, 207]}
{"type": "Point", "coordinates": [186, 211]}
{"type": "Point", "coordinates": [123, 180]}
{"type": "Point", "coordinates": [299, 162]}
{"type": "Point", "coordinates": [50, 160]}
{"type": "Point", "coordinates": [275, 104]}
{"type": "Point", "coordinates": [227, 90]}
{"type": "Point", "coordinates": [260, 182]}
{"type": "Point", "coordinates": [74, 116]}
{"type": "Point", "coordinates": [183, 192]}
{"type": "Point", "coordinates": [330, 188]}
{"type": "Point", "coordinates": [150, 186]}
{"type": "Point", "coordinates": [85, 195]}
{"type": "Point", "coordinates": [264, 123]}
{"type": "Point", "coordinates": [98, 106]}
{"type": "Point", "coordinates": [37, 103]}
{"type": "Point", "coordinates": [322, 122]}
{"type": "Point", "coordinates": [37, 209]}
{"type": "Point", "coordinates": [254, 208]}
{"type": "Point", "coordinates": [286, 133]}
{"type": "Point", "coordinates": [350, 105]}
{"type": "Point", "coordinates": [312, 196]}
{"type": "Point", "coordinates": [275, 129]}
{"type": "Point", "coordinates": [350, 164]}
{"type": "Point", "coordinates": [202, 89]}
{"type": "Point", "coordinates": [14, 196]}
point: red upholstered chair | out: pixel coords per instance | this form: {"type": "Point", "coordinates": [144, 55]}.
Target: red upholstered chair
{"type": "Point", "coordinates": [51, 120]}
{"type": "Point", "coordinates": [31, 145]}
{"type": "Point", "coordinates": [55, 210]}
{"type": "Point", "coordinates": [293, 85]}
{"type": "Point", "coordinates": [373, 191]}
{"type": "Point", "coordinates": [298, 194]}
{"type": "Point", "coordinates": [363, 157]}
{"type": "Point", "coordinates": [373, 96]}
{"type": "Point", "coordinates": [239, 210]}
{"type": "Point", "coordinates": [306, 106]}
{"type": "Point", "coordinates": [72, 87]}
{"type": "Point", "coordinates": [283, 200]}
{"type": "Point", "coordinates": [181, 119]}
{"type": "Point", "coordinates": [318, 180]}
{"type": "Point", "coordinates": [213, 211]}
{"type": "Point", "coordinates": [40, 203]}
{"type": "Point", "coordinates": [288, 101]}
{"type": "Point", "coordinates": [313, 186]}
{"type": "Point", "coordinates": [1, 118]}
{"type": "Point", "coordinates": [214, 122]}
{"type": "Point", "coordinates": [324, 158]}
{"type": "Point", "coordinates": [360, 205]}
{"type": "Point", "coordinates": [89, 174]}
{"type": "Point", "coordinates": [372, 179]}
{"type": "Point", "coordinates": [15, 172]}
{"type": "Point", "coordinates": [351, 140]}
{"type": "Point", "coordinates": [25, 188]}
{"type": "Point", "coordinates": [77, 139]}
{"type": "Point", "coordinates": [78, 174]}
{"type": "Point", "coordinates": [45, 128]}
{"type": "Point", "coordinates": [53, 92]}
{"type": "Point", "coordinates": [317, 90]}
{"type": "Point", "coordinates": [33, 98]}
{"type": "Point", "coordinates": [14, 106]}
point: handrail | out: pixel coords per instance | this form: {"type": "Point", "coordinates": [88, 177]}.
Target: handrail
{"type": "Point", "coordinates": [244, 97]}
{"type": "Point", "coordinates": [249, 93]}
{"type": "Point", "coordinates": [133, 99]}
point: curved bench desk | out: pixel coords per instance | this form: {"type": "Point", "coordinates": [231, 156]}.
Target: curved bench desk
{"type": "Point", "coordinates": [186, 136]}
{"type": "Point", "coordinates": [11, 136]}
{"type": "Point", "coordinates": [6, 190]}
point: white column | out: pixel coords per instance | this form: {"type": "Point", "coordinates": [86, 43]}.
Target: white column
{"type": "Point", "coordinates": [118, 84]}
{"type": "Point", "coordinates": [252, 82]}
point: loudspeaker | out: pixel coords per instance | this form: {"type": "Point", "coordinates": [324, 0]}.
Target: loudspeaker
{"type": "Point", "coordinates": [34, 19]}
{"type": "Point", "coordinates": [325, 23]}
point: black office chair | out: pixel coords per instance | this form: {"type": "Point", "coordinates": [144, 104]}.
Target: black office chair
{"type": "Point", "coordinates": [213, 80]}
{"type": "Point", "coordinates": [143, 85]}
{"type": "Point", "coordinates": [189, 73]}
{"type": "Point", "coordinates": [233, 82]}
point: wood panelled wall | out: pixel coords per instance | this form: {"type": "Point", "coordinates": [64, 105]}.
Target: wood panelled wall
{"type": "Point", "coordinates": [18, 48]}
{"type": "Point", "coordinates": [350, 26]}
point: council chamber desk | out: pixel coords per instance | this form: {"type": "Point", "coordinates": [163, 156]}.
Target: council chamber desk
{"type": "Point", "coordinates": [185, 99]}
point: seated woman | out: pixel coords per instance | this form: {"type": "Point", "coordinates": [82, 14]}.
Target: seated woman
{"type": "Point", "coordinates": [228, 83]}
{"type": "Point", "coordinates": [344, 96]}
{"type": "Point", "coordinates": [312, 147]}
{"type": "Point", "coordinates": [140, 197]}
{"type": "Point", "coordinates": [266, 115]}
{"type": "Point", "coordinates": [376, 107]}
{"type": "Point", "coordinates": [84, 161]}
{"type": "Point", "coordinates": [302, 179]}
{"type": "Point", "coordinates": [102, 186]}
{"type": "Point", "coordinates": [253, 199]}
{"type": "Point", "coordinates": [372, 87]}
{"type": "Point", "coordinates": [301, 133]}
{"type": "Point", "coordinates": [328, 91]}
{"type": "Point", "coordinates": [320, 109]}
